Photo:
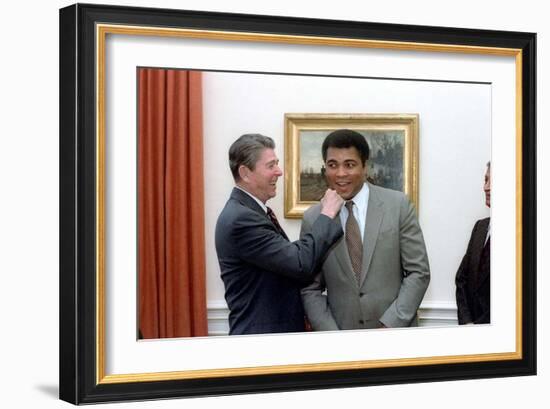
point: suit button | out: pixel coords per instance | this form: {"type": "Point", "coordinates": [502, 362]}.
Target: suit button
{"type": "Point", "coordinates": [361, 322]}
{"type": "Point", "coordinates": [361, 294]}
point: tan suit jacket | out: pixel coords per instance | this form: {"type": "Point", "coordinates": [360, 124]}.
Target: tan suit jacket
{"type": "Point", "coordinates": [395, 270]}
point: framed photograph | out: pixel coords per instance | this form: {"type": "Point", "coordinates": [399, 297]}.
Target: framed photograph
{"type": "Point", "coordinates": [393, 157]}
{"type": "Point", "coordinates": [474, 93]}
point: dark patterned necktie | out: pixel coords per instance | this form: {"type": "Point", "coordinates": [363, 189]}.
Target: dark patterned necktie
{"type": "Point", "coordinates": [275, 222]}
{"type": "Point", "coordinates": [353, 241]}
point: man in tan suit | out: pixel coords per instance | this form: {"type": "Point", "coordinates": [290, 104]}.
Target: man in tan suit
{"type": "Point", "coordinates": [376, 275]}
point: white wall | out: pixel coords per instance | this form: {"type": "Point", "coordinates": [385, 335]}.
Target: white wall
{"type": "Point", "coordinates": [29, 205]}
{"type": "Point", "coordinates": [454, 139]}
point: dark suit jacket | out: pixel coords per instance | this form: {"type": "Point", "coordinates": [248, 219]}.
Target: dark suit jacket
{"type": "Point", "coordinates": [473, 285]}
{"type": "Point", "coordinates": [262, 271]}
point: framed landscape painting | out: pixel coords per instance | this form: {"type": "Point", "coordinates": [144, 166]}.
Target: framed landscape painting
{"type": "Point", "coordinates": [393, 157]}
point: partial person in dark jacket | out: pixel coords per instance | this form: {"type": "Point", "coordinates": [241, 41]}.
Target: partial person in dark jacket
{"type": "Point", "coordinates": [473, 278]}
{"type": "Point", "coordinates": [261, 269]}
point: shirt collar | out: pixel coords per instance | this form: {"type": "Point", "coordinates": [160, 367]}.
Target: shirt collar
{"type": "Point", "coordinates": [262, 205]}
{"type": "Point", "coordinates": [361, 199]}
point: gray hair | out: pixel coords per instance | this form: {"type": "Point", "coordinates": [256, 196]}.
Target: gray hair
{"type": "Point", "coordinates": [246, 151]}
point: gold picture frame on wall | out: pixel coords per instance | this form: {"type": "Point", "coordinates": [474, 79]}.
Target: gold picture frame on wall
{"type": "Point", "coordinates": [92, 370]}
{"type": "Point", "coordinates": [392, 163]}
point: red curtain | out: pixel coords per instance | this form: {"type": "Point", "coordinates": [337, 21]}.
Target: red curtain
{"type": "Point", "coordinates": [172, 283]}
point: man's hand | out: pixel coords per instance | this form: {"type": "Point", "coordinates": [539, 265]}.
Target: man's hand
{"type": "Point", "coordinates": [331, 203]}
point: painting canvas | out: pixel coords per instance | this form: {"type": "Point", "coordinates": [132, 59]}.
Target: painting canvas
{"type": "Point", "coordinates": [392, 163]}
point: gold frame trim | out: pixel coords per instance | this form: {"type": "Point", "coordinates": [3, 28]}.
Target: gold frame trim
{"type": "Point", "coordinates": [102, 30]}
{"type": "Point", "coordinates": [287, 369]}
{"type": "Point", "coordinates": [100, 204]}
{"type": "Point", "coordinates": [296, 122]}
{"type": "Point", "coordinates": [295, 39]}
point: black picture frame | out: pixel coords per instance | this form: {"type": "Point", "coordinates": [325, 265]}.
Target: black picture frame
{"type": "Point", "coordinates": [79, 360]}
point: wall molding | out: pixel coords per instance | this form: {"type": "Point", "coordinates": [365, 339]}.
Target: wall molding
{"type": "Point", "coordinates": [218, 317]}
{"type": "Point", "coordinates": [437, 313]}
{"type": "Point", "coordinates": [430, 314]}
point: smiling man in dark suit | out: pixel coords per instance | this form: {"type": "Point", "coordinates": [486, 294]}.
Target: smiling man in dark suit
{"type": "Point", "coordinates": [261, 269]}
{"type": "Point", "coordinates": [473, 278]}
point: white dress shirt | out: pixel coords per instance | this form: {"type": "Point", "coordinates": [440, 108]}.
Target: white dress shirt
{"type": "Point", "coordinates": [360, 204]}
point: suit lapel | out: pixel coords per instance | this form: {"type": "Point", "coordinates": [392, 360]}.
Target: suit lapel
{"type": "Point", "coordinates": [375, 213]}
{"type": "Point", "coordinates": [243, 198]}
{"type": "Point", "coordinates": [342, 255]}
{"type": "Point", "coordinates": [249, 202]}
{"type": "Point", "coordinates": [478, 250]}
